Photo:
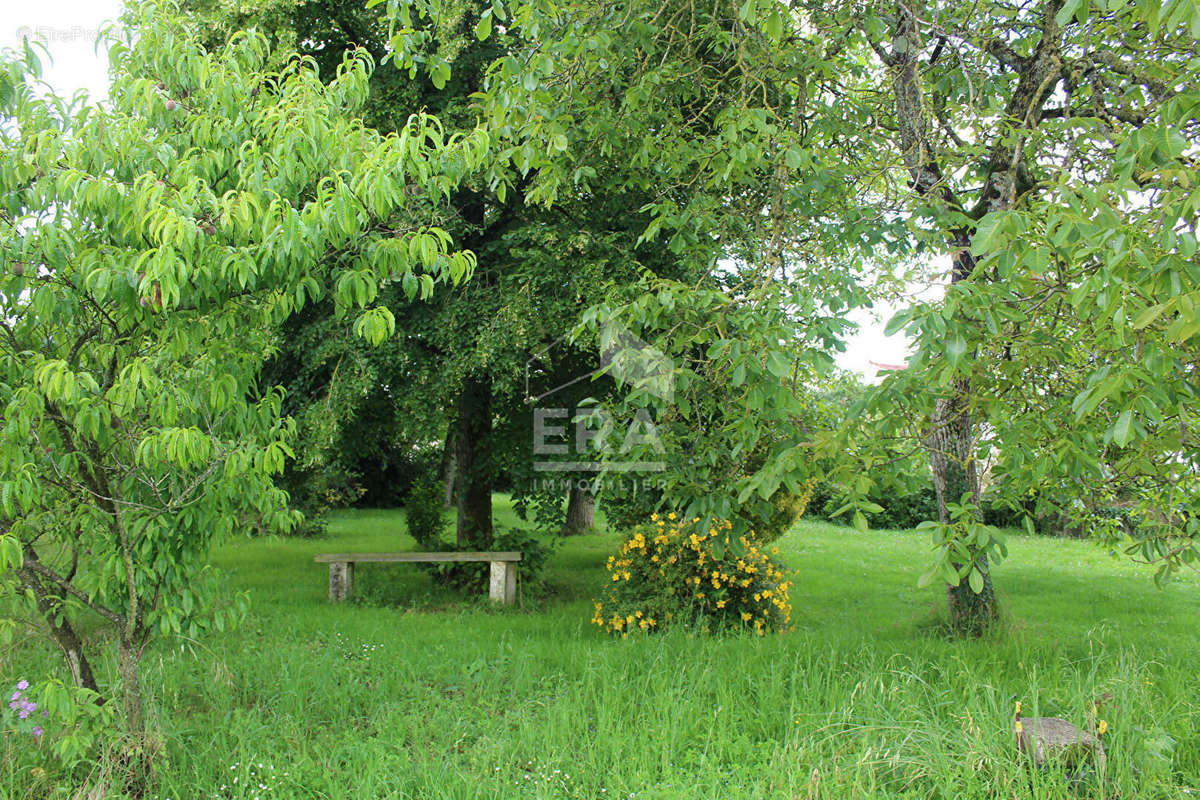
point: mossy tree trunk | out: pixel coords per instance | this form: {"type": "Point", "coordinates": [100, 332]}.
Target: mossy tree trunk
{"type": "Point", "coordinates": [473, 494]}
{"type": "Point", "coordinates": [952, 454]}
{"type": "Point", "coordinates": [61, 629]}
{"type": "Point", "coordinates": [129, 659]}
{"type": "Point", "coordinates": [581, 510]}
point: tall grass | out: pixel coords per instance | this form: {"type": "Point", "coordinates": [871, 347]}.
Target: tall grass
{"type": "Point", "coordinates": [412, 692]}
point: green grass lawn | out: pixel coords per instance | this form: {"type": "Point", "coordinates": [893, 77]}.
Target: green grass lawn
{"type": "Point", "coordinates": [413, 692]}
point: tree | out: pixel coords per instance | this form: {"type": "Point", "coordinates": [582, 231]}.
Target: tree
{"type": "Point", "coordinates": [1005, 119]}
{"type": "Point", "coordinates": [461, 366]}
{"type": "Point", "coordinates": [149, 247]}
{"type": "Point", "coordinates": [986, 120]}
{"type": "Point", "coordinates": [387, 402]}
{"type": "Point", "coordinates": [715, 116]}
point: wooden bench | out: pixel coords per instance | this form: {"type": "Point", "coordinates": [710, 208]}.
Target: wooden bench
{"type": "Point", "coordinates": [502, 587]}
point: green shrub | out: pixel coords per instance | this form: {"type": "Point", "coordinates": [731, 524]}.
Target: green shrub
{"type": "Point", "coordinates": [472, 576]}
{"type": "Point", "coordinates": [772, 518]}
{"type": "Point", "coordinates": [628, 504]}
{"type": "Point", "coordinates": [677, 573]}
{"type": "Point", "coordinates": [902, 508]}
{"type": "Point", "coordinates": [425, 514]}
{"type": "Point", "coordinates": [905, 511]}
{"type": "Point", "coordinates": [58, 729]}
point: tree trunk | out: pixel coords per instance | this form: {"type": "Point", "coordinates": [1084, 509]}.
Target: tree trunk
{"type": "Point", "coordinates": [951, 445]}
{"type": "Point", "coordinates": [449, 466]}
{"type": "Point", "coordinates": [129, 665]}
{"type": "Point", "coordinates": [581, 510]}
{"type": "Point", "coordinates": [473, 473]}
{"type": "Point", "coordinates": [952, 455]}
{"type": "Point", "coordinates": [61, 629]}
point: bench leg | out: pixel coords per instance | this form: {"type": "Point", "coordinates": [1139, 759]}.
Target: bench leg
{"type": "Point", "coordinates": [341, 578]}
{"type": "Point", "coordinates": [503, 585]}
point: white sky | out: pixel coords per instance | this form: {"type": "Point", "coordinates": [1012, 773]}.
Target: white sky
{"type": "Point", "coordinates": [870, 345]}
{"type": "Point", "coordinates": [69, 29]}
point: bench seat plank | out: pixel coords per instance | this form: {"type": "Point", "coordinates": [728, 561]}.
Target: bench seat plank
{"type": "Point", "coordinates": [348, 558]}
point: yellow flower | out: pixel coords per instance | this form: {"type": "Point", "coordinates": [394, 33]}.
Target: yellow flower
{"type": "Point", "coordinates": [671, 515]}
{"type": "Point", "coordinates": [654, 517]}
{"type": "Point", "coordinates": [1018, 727]}
{"type": "Point", "coordinates": [721, 603]}
{"type": "Point", "coordinates": [1102, 728]}
{"type": "Point", "coordinates": [1017, 710]}
{"type": "Point", "coordinates": [746, 615]}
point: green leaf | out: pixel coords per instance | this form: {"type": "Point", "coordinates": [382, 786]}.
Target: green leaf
{"type": "Point", "coordinates": [956, 348]}
{"type": "Point", "coordinates": [777, 365]}
{"type": "Point", "coordinates": [439, 74]}
{"type": "Point", "coordinates": [897, 322]}
{"type": "Point", "coordinates": [774, 25]}
{"type": "Point", "coordinates": [1067, 12]}
{"type": "Point", "coordinates": [1122, 429]}
{"type": "Point", "coordinates": [718, 548]}
{"type": "Point", "coordinates": [929, 576]}
{"type": "Point", "coordinates": [483, 28]}
{"type": "Point", "coordinates": [842, 510]}
{"type": "Point", "coordinates": [975, 580]}
{"type": "Point", "coordinates": [860, 522]}
{"type": "Point", "coordinates": [1148, 316]}
{"type": "Point", "coordinates": [984, 240]}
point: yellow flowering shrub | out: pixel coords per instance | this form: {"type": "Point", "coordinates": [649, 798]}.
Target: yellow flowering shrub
{"type": "Point", "coordinates": [668, 573]}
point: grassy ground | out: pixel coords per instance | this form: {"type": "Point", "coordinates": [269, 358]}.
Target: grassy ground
{"type": "Point", "coordinates": [411, 692]}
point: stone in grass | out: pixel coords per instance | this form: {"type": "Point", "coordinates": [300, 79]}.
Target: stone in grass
{"type": "Point", "coordinates": [1050, 740]}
